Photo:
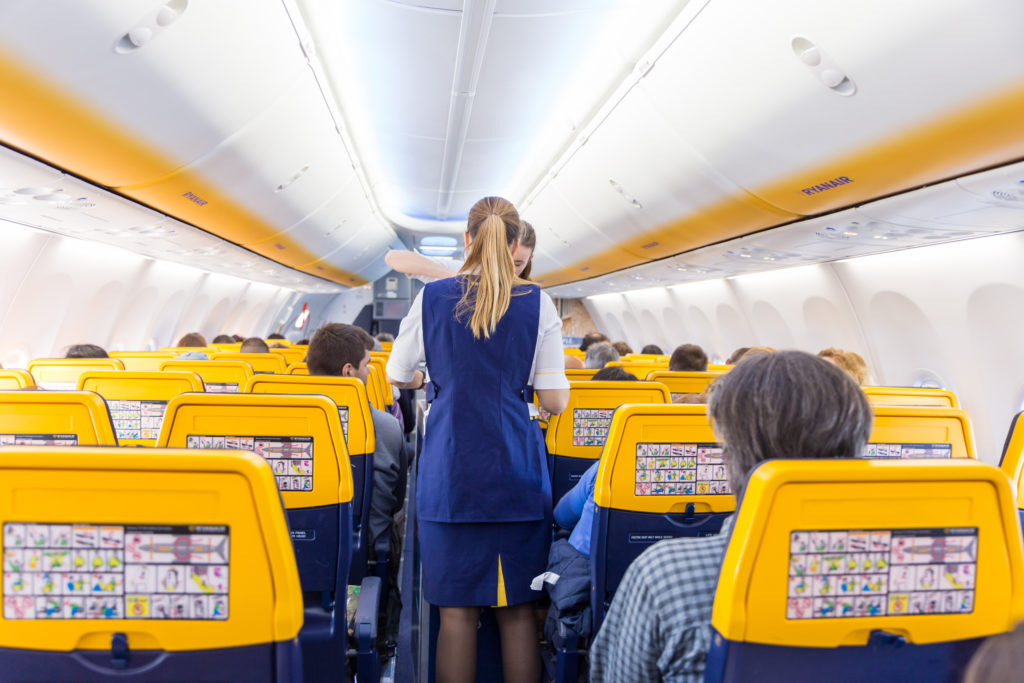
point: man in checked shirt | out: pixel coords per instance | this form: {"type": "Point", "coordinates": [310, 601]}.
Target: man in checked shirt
{"type": "Point", "coordinates": [788, 404]}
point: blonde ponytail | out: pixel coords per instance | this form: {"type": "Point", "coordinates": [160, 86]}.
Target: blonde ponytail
{"type": "Point", "coordinates": [487, 290]}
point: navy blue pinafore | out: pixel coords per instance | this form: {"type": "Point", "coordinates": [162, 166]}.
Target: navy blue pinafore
{"type": "Point", "coordinates": [484, 496]}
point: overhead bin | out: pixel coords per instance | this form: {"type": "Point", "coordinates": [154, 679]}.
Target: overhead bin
{"type": "Point", "coordinates": [747, 84]}
{"type": "Point", "coordinates": [126, 116]}
{"type": "Point", "coordinates": [648, 192]}
{"type": "Point", "coordinates": [262, 182]}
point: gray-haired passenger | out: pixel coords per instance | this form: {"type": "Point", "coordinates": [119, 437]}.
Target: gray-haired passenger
{"type": "Point", "coordinates": [788, 404]}
{"type": "Point", "coordinates": [599, 355]}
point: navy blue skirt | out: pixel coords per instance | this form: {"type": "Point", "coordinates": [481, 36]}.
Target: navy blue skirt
{"type": "Point", "coordinates": [485, 564]}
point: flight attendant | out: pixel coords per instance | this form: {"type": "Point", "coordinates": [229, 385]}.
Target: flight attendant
{"type": "Point", "coordinates": [483, 493]}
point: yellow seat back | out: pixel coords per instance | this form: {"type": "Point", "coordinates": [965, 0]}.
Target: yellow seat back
{"type": "Point", "coordinates": [177, 549]}
{"type": "Point", "coordinates": [300, 436]}
{"type": "Point", "coordinates": [137, 400]}
{"type": "Point", "coordinates": [347, 392]}
{"type": "Point", "coordinates": [235, 347]}
{"type": "Point", "coordinates": [683, 382]}
{"type": "Point", "coordinates": [658, 359]}
{"type": "Point", "coordinates": [260, 362]}
{"type": "Point", "coordinates": [581, 429]}
{"type": "Point", "coordinates": [142, 361]}
{"type": "Point", "coordinates": [62, 373]}
{"type": "Point", "coordinates": [661, 457]}
{"type": "Point", "coordinates": [824, 552]}
{"type": "Point", "coordinates": [716, 367]}
{"type": "Point", "coordinates": [219, 376]}
{"type": "Point", "coordinates": [292, 354]}
{"type": "Point", "coordinates": [640, 370]}
{"type": "Point", "coordinates": [16, 379]}
{"type": "Point", "coordinates": [386, 346]}
{"type": "Point", "coordinates": [375, 388]}
{"type": "Point", "coordinates": [297, 369]}
{"type": "Point", "coordinates": [911, 396]}
{"type": "Point", "coordinates": [179, 350]}
{"type": "Point", "coordinates": [580, 375]}
{"type": "Point", "coordinates": [380, 365]}
{"type": "Point", "coordinates": [911, 432]}
{"type": "Point", "coordinates": [54, 418]}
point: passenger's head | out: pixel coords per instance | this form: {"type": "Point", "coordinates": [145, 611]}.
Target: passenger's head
{"type": "Point", "coordinates": [736, 355]}
{"type": "Point", "coordinates": [591, 338]}
{"type": "Point", "coordinates": [385, 337]}
{"type": "Point", "coordinates": [652, 350]}
{"type": "Point", "coordinates": [238, 338]}
{"type": "Point", "coordinates": [340, 350]}
{"type": "Point", "coordinates": [223, 339]}
{"type": "Point", "coordinates": [852, 363]}
{"type": "Point", "coordinates": [276, 335]}
{"type": "Point", "coordinates": [254, 345]}
{"type": "Point", "coordinates": [786, 405]}
{"type": "Point", "coordinates": [1000, 658]}
{"type": "Point", "coordinates": [522, 257]}
{"type": "Point", "coordinates": [613, 374]}
{"type": "Point", "coordinates": [86, 351]}
{"type": "Point", "coordinates": [492, 232]}
{"type": "Point", "coordinates": [192, 339]}
{"type": "Point", "coordinates": [573, 363]}
{"type": "Point", "coordinates": [599, 355]}
{"type": "Point", "coordinates": [623, 348]}
{"type": "Point", "coordinates": [302, 342]}
{"type": "Point", "coordinates": [688, 358]}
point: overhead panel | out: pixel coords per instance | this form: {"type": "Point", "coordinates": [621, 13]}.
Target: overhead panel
{"type": "Point", "coordinates": [646, 189]}
{"type": "Point", "coordinates": [268, 177]}
{"type": "Point", "coordinates": [793, 101]}
{"type": "Point", "coordinates": [83, 97]}
{"type": "Point", "coordinates": [569, 239]}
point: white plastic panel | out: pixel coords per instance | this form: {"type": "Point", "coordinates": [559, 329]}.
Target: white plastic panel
{"type": "Point", "coordinates": [777, 128]}
{"type": "Point", "coordinates": [56, 291]}
{"type": "Point", "coordinates": [180, 93]}
{"type": "Point", "coordinates": [636, 174]}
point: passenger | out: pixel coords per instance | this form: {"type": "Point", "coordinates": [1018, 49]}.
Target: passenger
{"type": "Point", "coordinates": [276, 335]}
{"type": "Point", "coordinates": [86, 351]}
{"type": "Point", "coordinates": [1000, 658]}
{"type": "Point", "coordinates": [652, 350]}
{"type": "Point", "coordinates": [782, 405]}
{"type": "Point", "coordinates": [688, 358]}
{"type": "Point", "coordinates": [736, 355]}
{"type": "Point", "coordinates": [849, 361]}
{"type": "Point", "coordinates": [690, 398]}
{"type": "Point", "coordinates": [341, 350]}
{"type": "Point", "coordinates": [484, 522]}
{"type": "Point", "coordinates": [573, 363]}
{"type": "Point", "coordinates": [426, 269]}
{"type": "Point", "coordinates": [238, 338]}
{"type": "Point", "coordinates": [591, 338]}
{"type": "Point", "coordinates": [623, 348]}
{"type": "Point", "coordinates": [385, 337]}
{"type": "Point", "coordinates": [193, 339]}
{"type": "Point", "coordinates": [598, 355]}
{"type": "Point", "coordinates": [614, 374]}
{"type": "Point", "coordinates": [760, 349]}
{"type": "Point", "coordinates": [223, 339]}
{"type": "Point", "coordinates": [254, 345]}
{"type": "Point", "coordinates": [302, 342]}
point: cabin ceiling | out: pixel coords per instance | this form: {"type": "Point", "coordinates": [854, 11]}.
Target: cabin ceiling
{"type": "Point", "coordinates": [318, 135]}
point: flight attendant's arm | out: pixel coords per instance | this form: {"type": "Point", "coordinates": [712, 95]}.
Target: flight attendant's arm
{"type": "Point", "coordinates": [549, 382]}
{"type": "Point", "coordinates": [412, 264]}
{"type": "Point", "coordinates": [407, 351]}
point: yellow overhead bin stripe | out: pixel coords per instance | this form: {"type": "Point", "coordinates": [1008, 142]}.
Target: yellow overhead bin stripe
{"type": "Point", "coordinates": [44, 122]}
{"type": "Point", "coordinates": [982, 135]}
